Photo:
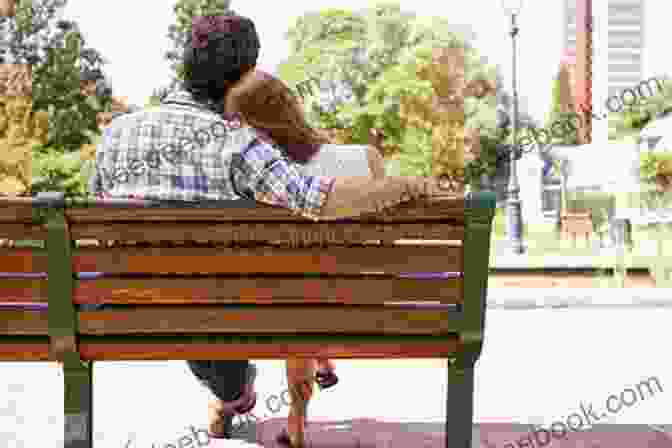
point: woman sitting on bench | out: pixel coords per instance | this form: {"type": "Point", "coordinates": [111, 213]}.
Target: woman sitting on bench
{"type": "Point", "coordinates": [266, 104]}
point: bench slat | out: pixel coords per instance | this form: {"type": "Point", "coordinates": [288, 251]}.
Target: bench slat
{"type": "Point", "coordinates": [28, 261]}
{"type": "Point", "coordinates": [268, 319]}
{"type": "Point", "coordinates": [226, 232]}
{"type": "Point", "coordinates": [259, 290]}
{"type": "Point", "coordinates": [24, 349]}
{"type": "Point", "coordinates": [277, 348]}
{"type": "Point", "coordinates": [262, 290]}
{"type": "Point", "coordinates": [438, 208]}
{"type": "Point", "coordinates": [331, 260]}
{"type": "Point", "coordinates": [156, 348]}
{"type": "Point", "coordinates": [14, 210]}
{"type": "Point", "coordinates": [24, 323]}
{"type": "Point", "coordinates": [23, 290]}
{"type": "Point", "coordinates": [22, 231]}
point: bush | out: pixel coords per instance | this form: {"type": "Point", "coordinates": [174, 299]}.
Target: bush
{"type": "Point", "coordinates": [56, 170]}
{"type": "Point", "coordinates": [633, 118]}
{"type": "Point", "coordinates": [654, 163]}
{"type": "Point", "coordinates": [601, 205]}
{"type": "Point", "coordinates": [557, 116]}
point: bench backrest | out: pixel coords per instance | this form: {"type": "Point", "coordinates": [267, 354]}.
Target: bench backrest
{"type": "Point", "coordinates": [409, 282]}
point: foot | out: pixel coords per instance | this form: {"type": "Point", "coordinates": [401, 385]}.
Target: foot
{"type": "Point", "coordinates": [288, 440]}
{"type": "Point", "coordinates": [220, 424]}
{"type": "Point", "coordinates": [293, 435]}
{"type": "Point", "coordinates": [221, 413]}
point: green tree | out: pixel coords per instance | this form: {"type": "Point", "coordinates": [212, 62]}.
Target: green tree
{"type": "Point", "coordinates": [557, 115]}
{"type": "Point", "coordinates": [367, 61]}
{"type": "Point", "coordinates": [178, 32]}
{"type": "Point", "coordinates": [57, 51]}
{"type": "Point", "coordinates": [59, 56]}
{"type": "Point", "coordinates": [633, 114]}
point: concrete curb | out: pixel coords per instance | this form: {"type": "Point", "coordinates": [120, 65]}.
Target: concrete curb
{"type": "Point", "coordinates": [530, 298]}
{"type": "Point", "coordinates": [558, 262]}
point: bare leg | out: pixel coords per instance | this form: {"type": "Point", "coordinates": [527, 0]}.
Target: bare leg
{"type": "Point", "coordinates": [325, 364]}
{"type": "Point", "coordinates": [376, 163]}
{"type": "Point", "coordinates": [300, 377]}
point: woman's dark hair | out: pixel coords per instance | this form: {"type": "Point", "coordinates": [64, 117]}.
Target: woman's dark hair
{"type": "Point", "coordinates": [268, 105]}
{"type": "Point", "coordinates": [209, 70]}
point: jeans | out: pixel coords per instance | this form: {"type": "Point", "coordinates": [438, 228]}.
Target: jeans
{"type": "Point", "coordinates": [225, 379]}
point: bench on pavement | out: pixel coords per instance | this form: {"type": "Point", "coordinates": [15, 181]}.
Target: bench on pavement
{"type": "Point", "coordinates": [408, 282]}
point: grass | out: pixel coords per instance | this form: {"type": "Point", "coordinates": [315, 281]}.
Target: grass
{"type": "Point", "coordinates": [499, 224]}
{"type": "Point", "coordinates": [652, 250]}
{"type": "Point", "coordinates": [658, 238]}
{"type": "Point", "coordinates": [623, 135]}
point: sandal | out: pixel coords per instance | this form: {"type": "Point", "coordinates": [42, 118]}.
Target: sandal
{"type": "Point", "coordinates": [325, 378]}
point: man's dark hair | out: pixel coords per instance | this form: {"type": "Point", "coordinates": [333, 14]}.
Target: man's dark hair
{"type": "Point", "coordinates": [210, 71]}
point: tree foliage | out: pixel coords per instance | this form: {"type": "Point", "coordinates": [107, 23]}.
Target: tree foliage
{"type": "Point", "coordinates": [558, 113]}
{"type": "Point", "coordinates": [633, 114]}
{"type": "Point", "coordinates": [59, 56]}
{"type": "Point", "coordinates": [60, 60]}
{"type": "Point", "coordinates": [368, 61]}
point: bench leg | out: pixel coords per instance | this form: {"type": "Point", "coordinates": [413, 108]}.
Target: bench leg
{"type": "Point", "coordinates": [460, 406]}
{"type": "Point", "coordinates": [78, 409]}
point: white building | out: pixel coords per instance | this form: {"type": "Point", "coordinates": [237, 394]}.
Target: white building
{"type": "Point", "coordinates": [629, 45]}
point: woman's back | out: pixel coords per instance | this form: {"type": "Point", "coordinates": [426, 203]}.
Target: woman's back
{"type": "Point", "coordinates": [345, 161]}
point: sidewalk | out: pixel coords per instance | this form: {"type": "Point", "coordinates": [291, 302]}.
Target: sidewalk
{"type": "Point", "coordinates": [537, 366]}
{"type": "Point", "coordinates": [501, 257]}
{"type": "Point", "coordinates": [578, 297]}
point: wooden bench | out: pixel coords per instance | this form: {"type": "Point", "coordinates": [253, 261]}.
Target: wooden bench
{"type": "Point", "coordinates": [371, 287]}
{"type": "Point", "coordinates": [577, 223]}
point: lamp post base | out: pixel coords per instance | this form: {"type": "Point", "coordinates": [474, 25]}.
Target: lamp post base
{"type": "Point", "coordinates": [514, 227]}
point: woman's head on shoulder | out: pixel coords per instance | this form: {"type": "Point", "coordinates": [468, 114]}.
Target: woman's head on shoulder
{"type": "Point", "coordinates": [266, 103]}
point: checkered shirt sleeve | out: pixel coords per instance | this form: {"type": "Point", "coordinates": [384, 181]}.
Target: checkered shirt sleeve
{"type": "Point", "coordinates": [263, 172]}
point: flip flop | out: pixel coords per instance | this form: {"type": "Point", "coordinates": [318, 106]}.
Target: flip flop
{"type": "Point", "coordinates": [325, 378]}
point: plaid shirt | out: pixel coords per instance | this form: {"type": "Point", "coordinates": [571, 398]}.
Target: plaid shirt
{"type": "Point", "coordinates": [183, 150]}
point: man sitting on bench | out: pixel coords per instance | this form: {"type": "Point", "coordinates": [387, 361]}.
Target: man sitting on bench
{"type": "Point", "coordinates": [185, 150]}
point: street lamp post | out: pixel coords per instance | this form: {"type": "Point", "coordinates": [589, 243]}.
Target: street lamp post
{"type": "Point", "coordinates": [513, 203]}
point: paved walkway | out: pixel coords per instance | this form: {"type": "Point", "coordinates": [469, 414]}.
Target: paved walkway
{"type": "Point", "coordinates": [538, 367]}
{"type": "Point", "coordinates": [564, 280]}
